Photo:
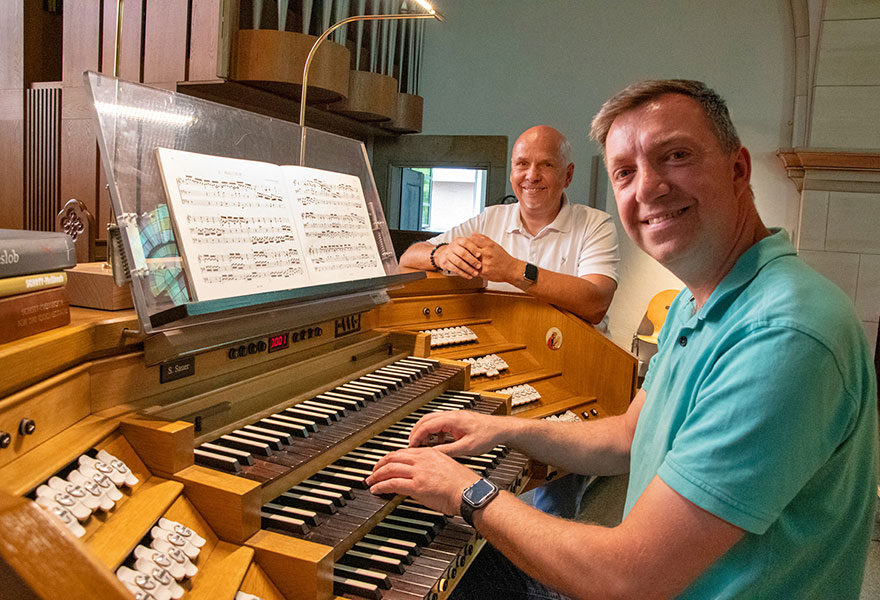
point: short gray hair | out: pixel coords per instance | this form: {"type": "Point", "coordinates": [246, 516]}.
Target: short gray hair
{"type": "Point", "coordinates": [637, 94]}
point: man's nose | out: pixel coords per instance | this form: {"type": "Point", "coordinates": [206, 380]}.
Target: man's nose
{"type": "Point", "coordinates": [650, 184]}
{"type": "Point", "coordinates": [533, 173]}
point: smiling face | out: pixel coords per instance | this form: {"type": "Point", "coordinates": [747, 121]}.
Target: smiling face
{"type": "Point", "coordinates": [540, 171]}
{"type": "Point", "coordinates": [682, 199]}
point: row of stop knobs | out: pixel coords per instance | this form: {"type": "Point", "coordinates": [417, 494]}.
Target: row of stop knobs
{"type": "Point", "coordinates": [25, 427]}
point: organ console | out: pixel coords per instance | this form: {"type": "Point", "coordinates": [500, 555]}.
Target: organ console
{"type": "Point", "coordinates": [264, 455]}
{"type": "Point", "coordinates": [139, 459]}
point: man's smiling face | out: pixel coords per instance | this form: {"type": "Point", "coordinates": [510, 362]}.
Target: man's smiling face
{"type": "Point", "coordinates": [681, 197]}
{"type": "Point", "coordinates": [538, 170]}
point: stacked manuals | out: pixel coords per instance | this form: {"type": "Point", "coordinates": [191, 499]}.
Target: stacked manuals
{"type": "Point", "coordinates": [32, 279]}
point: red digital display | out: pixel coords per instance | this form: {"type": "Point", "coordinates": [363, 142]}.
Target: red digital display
{"type": "Point", "coordinates": [279, 341]}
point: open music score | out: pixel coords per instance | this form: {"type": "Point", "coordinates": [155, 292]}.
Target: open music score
{"type": "Point", "coordinates": [245, 227]}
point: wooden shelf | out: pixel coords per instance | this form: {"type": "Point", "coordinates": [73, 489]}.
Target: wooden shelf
{"type": "Point", "coordinates": [274, 104]}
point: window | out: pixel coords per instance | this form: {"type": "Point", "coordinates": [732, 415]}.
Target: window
{"type": "Point", "coordinates": [438, 198]}
{"type": "Point", "coordinates": [432, 182]}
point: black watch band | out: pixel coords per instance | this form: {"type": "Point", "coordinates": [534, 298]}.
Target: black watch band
{"type": "Point", "coordinates": [531, 273]}
{"type": "Point", "coordinates": [476, 497]}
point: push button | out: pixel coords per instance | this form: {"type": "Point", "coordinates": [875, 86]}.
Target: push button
{"type": "Point", "coordinates": [683, 341]}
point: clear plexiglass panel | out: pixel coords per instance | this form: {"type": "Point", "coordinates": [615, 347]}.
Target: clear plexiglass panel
{"type": "Point", "coordinates": [134, 120]}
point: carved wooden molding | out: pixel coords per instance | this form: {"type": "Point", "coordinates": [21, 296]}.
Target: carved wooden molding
{"type": "Point", "coordinates": [797, 161]}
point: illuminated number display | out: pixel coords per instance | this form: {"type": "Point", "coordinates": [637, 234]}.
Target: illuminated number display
{"type": "Point", "coordinates": [279, 341]}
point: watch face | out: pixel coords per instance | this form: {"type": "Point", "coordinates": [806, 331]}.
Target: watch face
{"type": "Point", "coordinates": [478, 493]}
{"type": "Point", "coordinates": [531, 273]}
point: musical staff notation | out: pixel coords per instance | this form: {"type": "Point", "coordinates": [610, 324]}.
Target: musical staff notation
{"type": "Point", "coordinates": [246, 227]}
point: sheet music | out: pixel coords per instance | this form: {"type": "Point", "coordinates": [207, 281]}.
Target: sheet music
{"type": "Point", "coordinates": [337, 234]}
{"type": "Point", "coordinates": [241, 229]}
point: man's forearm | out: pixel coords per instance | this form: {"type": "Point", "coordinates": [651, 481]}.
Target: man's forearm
{"type": "Point", "coordinates": [417, 256]}
{"type": "Point", "coordinates": [600, 447]}
{"type": "Point", "coordinates": [587, 298]}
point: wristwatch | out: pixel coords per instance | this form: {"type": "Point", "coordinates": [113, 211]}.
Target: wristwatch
{"type": "Point", "coordinates": [476, 497]}
{"type": "Point", "coordinates": [531, 273]}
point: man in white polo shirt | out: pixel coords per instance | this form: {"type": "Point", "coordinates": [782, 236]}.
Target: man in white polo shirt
{"type": "Point", "coordinates": [562, 253]}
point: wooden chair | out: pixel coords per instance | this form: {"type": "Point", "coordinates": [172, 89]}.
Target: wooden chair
{"type": "Point", "coordinates": [644, 341]}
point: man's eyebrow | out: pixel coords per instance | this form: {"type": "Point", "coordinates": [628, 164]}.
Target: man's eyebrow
{"type": "Point", "coordinates": [672, 138]}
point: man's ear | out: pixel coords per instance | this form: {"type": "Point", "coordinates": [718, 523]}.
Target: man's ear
{"type": "Point", "coordinates": [742, 168]}
{"type": "Point", "coordinates": [569, 173]}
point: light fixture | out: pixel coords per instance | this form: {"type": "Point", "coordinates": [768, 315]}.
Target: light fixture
{"type": "Point", "coordinates": [430, 14]}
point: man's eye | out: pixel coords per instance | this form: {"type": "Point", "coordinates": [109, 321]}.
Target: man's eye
{"type": "Point", "coordinates": [678, 154]}
{"type": "Point", "coordinates": [622, 174]}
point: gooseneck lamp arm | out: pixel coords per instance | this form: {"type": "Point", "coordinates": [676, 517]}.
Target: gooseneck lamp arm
{"type": "Point", "coordinates": [432, 14]}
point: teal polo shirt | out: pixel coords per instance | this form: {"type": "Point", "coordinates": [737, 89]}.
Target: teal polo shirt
{"type": "Point", "coordinates": [762, 409]}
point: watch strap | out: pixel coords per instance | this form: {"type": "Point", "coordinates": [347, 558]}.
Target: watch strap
{"type": "Point", "coordinates": [468, 509]}
{"type": "Point", "coordinates": [531, 273]}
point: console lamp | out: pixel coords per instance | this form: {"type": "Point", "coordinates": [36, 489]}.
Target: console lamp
{"type": "Point", "coordinates": [430, 14]}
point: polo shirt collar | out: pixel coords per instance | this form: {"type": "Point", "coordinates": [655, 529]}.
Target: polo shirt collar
{"type": "Point", "coordinates": [561, 223]}
{"type": "Point", "coordinates": [748, 266]}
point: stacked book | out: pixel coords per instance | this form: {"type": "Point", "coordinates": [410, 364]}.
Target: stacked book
{"type": "Point", "coordinates": [32, 280]}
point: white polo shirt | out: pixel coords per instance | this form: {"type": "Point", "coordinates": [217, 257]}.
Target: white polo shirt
{"type": "Point", "coordinates": [580, 241]}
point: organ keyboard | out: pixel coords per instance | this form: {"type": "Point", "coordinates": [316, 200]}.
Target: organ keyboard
{"type": "Point", "coordinates": [264, 455]}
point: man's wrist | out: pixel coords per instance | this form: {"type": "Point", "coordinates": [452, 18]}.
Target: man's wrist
{"type": "Point", "coordinates": [525, 275]}
{"type": "Point", "coordinates": [433, 258]}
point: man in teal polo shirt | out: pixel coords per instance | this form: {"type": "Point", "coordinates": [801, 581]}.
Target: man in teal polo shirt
{"type": "Point", "coordinates": [751, 447]}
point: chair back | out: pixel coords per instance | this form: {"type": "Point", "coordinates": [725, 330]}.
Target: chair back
{"type": "Point", "coordinates": [655, 316]}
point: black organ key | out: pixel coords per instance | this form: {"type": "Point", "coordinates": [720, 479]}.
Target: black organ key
{"type": "Point", "coordinates": [390, 439]}
{"type": "Point", "coordinates": [242, 443]}
{"type": "Point", "coordinates": [359, 582]}
{"type": "Point", "coordinates": [318, 409]}
{"type": "Point", "coordinates": [408, 545]}
{"type": "Point", "coordinates": [294, 429]}
{"type": "Point", "coordinates": [310, 517]}
{"type": "Point", "coordinates": [407, 377]}
{"type": "Point", "coordinates": [353, 471]}
{"type": "Point", "coordinates": [385, 383]}
{"type": "Point", "coordinates": [272, 441]}
{"type": "Point", "coordinates": [376, 562]}
{"type": "Point", "coordinates": [245, 458]}
{"type": "Point", "coordinates": [354, 461]}
{"type": "Point", "coordinates": [335, 409]}
{"type": "Point", "coordinates": [307, 502]}
{"type": "Point", "coordinates": [284, 417]}
{"type": "Point", "coordinates": [307, 416]}
{"type": "Point", "coordinates": [365, 575]}
{"type": "Point", "coordinates": [376, 388]}
{"type": "Point", "coordinates": [344, 490]}
{"type": "Point", "coordinates": [429, 363]}
{"type": "Point", "coordinates": [276, 521]}
{"type": "Point", "coordinates": [335, 497]}
{"type": "Point", "coordinates": [281, 438]}
{"type": "Point", "coordinates": [340, 478]}
{"type": "Point", "coordinates": [413, 509]}
{"type": "Point", "coordinates": [383, 445]}
{"type": "Point", "coordinates": [413, 534]}
{"type": "Point", "coordinates": [349, 401]}
{"type": "Point", "coordinates": [309, 424]}
{"type": "Point", "coordinates": [217, 461]}
{"type": "Point", "coordinates": [365, 455]}
{"type": "Point", "coordinates": [413, 372]}
{"type": "Point", "coordinates": [396, 519]}
{"type": "Point", "coordinates": [344, 586]}
{"type": "Point", "coordinates": [401, 554]}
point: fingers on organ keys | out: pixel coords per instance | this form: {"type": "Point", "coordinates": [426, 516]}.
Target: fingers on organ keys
{"type": "Point", "coordinates": [262, 439]}
{"type": "Point", "coordinates": [306, 513]}
{"type": "Point", "coordinates": [438, 547]}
